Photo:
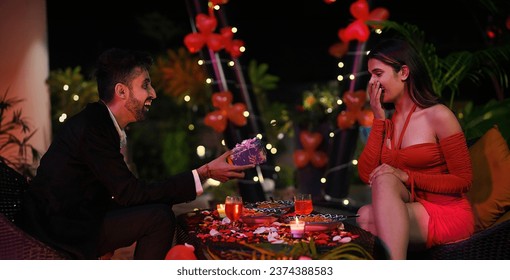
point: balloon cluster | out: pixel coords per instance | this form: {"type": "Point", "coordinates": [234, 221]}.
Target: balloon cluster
{"type": "Point", "coordinates": [226, 111]}
{"type": "Point", "coordinates": [206, 24]}
{"type": "Point", "coordinates": [309, 154]}
{"type": "Point", "coordinates": [357, 29]}
{"type": "Point", "coordinates": [354, 102]}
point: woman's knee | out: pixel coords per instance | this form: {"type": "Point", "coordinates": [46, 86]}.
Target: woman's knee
{"type": "Point", "coordinates": [387, 183]}
{"type": "Point", "coordinates": [365, 216]}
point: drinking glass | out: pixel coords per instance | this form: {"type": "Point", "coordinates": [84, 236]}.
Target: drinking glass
{"type": "Point", "coordinates": [303, 203]}
{"type": "Point", "coordinates": [234, 208]}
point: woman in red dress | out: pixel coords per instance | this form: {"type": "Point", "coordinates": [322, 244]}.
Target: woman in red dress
{"type": "Point", "coordinates": [416, 161]}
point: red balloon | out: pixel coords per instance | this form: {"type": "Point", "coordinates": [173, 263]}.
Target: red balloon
{"type": "Point", "coordinates": [343, 36]}
{"type": "Point", "coordinates": [217, 120]}
{"type": "Point", "coordinates": [301, 158]}
{"type": "Point", "coordinates": [319, 159]}
{"type": "Point", "coordinates": [310, 140]}
{"type": "Point", "coordinates": [354, 100]}
{"type": "Point", "coordinates": [194, 42]}
{"type": "Point", "coordinates": [378, 14]}
{"type": "Point", "coordinates": [329, 1]}
{"type": "Point", "coordinates": [338, 49]}
{"type": "Point", "coordinates": [236, 114]}
{"type": "Point", "coordinates": [219, 2]}
{"type": "Point", "coordinates": [365, 117]}
{"type": "Point", "coordinates": [215, 42]}
{"type": "Point", "coordinates": [222, 99]}
{"type": "Point", "coordinates": [181, 252]}
{"type": "Point", "coordinates": [226, 33]}
{"type": "Point", "coordinates": [357, 30]}
{"type": "Point", "coordinates": [345, 120]}
{"type": "Point", "coordinates": [206, 24]}
{"type": "Point", "coordinates": [359, 9]}
{"type": "Point", "coordinates": [235, 48]}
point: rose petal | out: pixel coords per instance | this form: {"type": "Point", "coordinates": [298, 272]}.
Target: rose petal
{"type": "Point", "coordinates": [214, 232]}
{"type": "Point", "coordinates": [345, 239]}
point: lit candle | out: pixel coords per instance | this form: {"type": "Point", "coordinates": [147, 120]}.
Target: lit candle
{"type": "Point", "coordinates": [221, 210]}
{"type": "Point", "coordinates": [297, 228]}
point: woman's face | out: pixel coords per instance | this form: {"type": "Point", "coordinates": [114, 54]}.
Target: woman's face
{"type": "Point", "coordinates": [391, 82]}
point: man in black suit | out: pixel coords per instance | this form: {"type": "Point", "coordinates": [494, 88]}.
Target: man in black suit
{"type": "Point", "coordinates": [84, 199]}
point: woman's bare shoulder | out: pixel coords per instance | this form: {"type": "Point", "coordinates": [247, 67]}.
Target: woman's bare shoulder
{"type": "Point", "coordinates": [443, 120]}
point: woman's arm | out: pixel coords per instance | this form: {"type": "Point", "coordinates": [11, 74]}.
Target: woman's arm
{"type": "Point", "coordinates": [371, 155]}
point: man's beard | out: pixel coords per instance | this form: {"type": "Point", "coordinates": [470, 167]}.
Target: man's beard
{"type": "Point", "coordinates": [136, 107]}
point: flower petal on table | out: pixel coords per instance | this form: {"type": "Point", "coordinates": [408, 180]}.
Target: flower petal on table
{"type": "Point", "coordinates": [214, 232]}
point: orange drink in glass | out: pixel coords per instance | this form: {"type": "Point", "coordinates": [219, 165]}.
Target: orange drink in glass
{"type": "Point", "coordinates": [303, 204]}
{"type": "Point", "coordinates": [234, 208]}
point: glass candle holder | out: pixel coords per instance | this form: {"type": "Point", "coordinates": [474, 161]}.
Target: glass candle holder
{"type": "Point", "coordinates": [297, 228]}
{"type": "Point", "coordinates": [221, 210]}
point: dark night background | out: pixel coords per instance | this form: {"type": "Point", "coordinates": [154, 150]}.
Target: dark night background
{"type": "Point", "coordinates": [292, 37]}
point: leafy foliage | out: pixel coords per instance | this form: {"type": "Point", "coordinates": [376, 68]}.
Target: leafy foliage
{"type": "Point", "coordinates": [15, 133]}
{"type": "Point", "coordinates": [476, 120]}
{"type": "Point", "coordinates": [70, 91]}
{"type": "Point", "coordinates": [178, 74]}
{"type": "Point", "coordinates": [348, 251]}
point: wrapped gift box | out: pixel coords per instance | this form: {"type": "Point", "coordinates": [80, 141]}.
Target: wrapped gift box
{"type": "Point", "coordinates": [249, 151]}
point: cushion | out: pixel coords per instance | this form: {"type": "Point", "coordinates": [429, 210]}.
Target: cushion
{"type": "Point", "coordinates": [490, 192]}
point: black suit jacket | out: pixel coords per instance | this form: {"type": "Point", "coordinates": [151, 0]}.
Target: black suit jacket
{"type": "Point", "coordinates": [80, 176]}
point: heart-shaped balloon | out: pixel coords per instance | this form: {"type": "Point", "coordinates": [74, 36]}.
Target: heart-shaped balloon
{"type": "Point", "coordinates": [301, 158]}
{"type": "Point", "coordinates": [354, 100]}
{"type": "Point", "coordinates": [359, 9]}
{"type": "Point", "coordinates": [344, 37]}
{"type": "Point", "coordinates": [345, 120]}
{"type": "Point", "coordinates": [222, 99]}
{"type": "Point", "coordinates": [215, 42]}
{"type": "Point", "coordinates": [217, 120]}
{"type": "Point", "coordinates": [310, 140]}
{"type": "Point", "coordinates": [226, 33]}
{"type": "Point", "coordinates": [219, 2]}
{"type": "Point", "coordinates": [319, 159]}
{"type": "Point", "coordinates": [236, 114]}
{"type": "Point", "coordinates": [206, 24]}
{"type": "Point", "coordinates": [358, 30]}
{"type": "Point", "coordinates": [194, 42]}
{"type": "Point", "coordinates": [338, 49]}
{"type": "Point", "coordinates": [235, 48]}
{"type": "Point", "coordinates": [365, 117]}
{"type": "Point", "coordinates": [378, 14]}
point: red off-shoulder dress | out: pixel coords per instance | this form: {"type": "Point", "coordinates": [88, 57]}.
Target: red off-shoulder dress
{"type": "Point", "coordinates": [440, 174]}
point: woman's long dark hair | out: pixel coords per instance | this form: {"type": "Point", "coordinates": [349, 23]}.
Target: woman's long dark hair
{"type": "Point", "coordinates": [396, 53]}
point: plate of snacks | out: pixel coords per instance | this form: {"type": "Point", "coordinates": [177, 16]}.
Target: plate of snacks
{"type": "Point", "coordinates": [254, 217]}
{"type": "Point", "coordinates": [273, 207]}
{"type": "Point", "coordinates": [319, 222]}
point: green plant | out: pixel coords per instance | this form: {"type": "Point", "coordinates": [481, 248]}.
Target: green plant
{"type": "Point", "coordinates": [70, 91]}
{"type": "Point", "coordinates": [476, 120]}
{"type": "Point", "coordinates": [448, 72]}
{"type": "Point", "coordinates": [15, 133]}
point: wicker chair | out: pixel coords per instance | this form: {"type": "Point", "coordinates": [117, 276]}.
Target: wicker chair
{"type": "Point", "coordinates": [489, 244]}
{"type": "Point", "coordinates": [15, 244]}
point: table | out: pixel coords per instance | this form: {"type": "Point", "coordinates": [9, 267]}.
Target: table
{"type": "Point", "coordinates": [249, 242]}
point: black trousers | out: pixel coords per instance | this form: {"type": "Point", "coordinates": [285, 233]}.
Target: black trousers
{"type": "Point", "coordinates": [152, 226]}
